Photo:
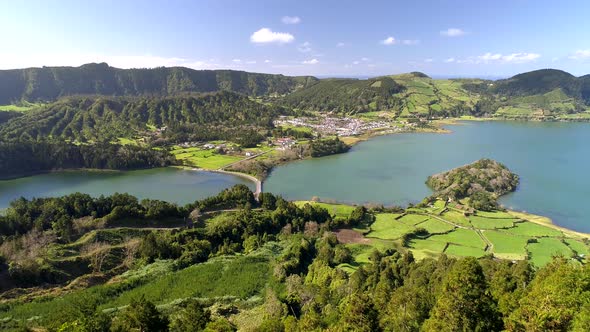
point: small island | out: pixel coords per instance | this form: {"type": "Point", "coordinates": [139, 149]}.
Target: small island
{"type": "Point", "coordinates": [481, 182]}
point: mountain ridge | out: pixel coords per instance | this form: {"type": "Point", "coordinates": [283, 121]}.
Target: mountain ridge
{"type": "Point", "coordinates": [50, 83]}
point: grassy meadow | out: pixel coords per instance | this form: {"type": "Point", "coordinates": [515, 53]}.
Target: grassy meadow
{"type": "Point", "coordinates": [505, 235]}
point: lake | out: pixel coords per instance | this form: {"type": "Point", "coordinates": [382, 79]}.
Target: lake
{"type": "Point", "coordinates": [169, 184]}
{"type": "Point", "coordinates": [552, 160]}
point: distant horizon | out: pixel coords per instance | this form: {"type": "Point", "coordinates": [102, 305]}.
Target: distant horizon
{"type": "Point", "coordinates": [323, 76]}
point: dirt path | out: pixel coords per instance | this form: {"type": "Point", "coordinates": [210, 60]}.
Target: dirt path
{"type": "Point", "coordinates": [247, 158]}
{"type": "Point", "coordinates": [242, 175]}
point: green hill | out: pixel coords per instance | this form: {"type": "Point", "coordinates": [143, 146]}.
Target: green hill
{"type": "Point", "coordinates": [424, 96]}
{"type": "Point", "coordinates": [347, 96]}
{"type": "Point", "coordinates": [50, 83]}
{"type": "Point", "coordinates": [538, 82]}
{"type": "Point", "coordinates": [406, 95]}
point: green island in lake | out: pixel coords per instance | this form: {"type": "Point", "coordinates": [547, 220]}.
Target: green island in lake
{"type": "Point", "coordinates": [174, 199]}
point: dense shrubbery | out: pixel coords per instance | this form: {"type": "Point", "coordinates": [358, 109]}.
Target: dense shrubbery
{"type": "Point", "coordinates": [49, 221]}
{"type": "Point", "coordinates": [482, 181]}
{"type": "Point", "coordinates": [325, 147]}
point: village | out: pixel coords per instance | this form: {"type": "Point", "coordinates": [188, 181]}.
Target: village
{"type": "Point", "coordinates": [340, 126]}
{"type": "Point", "coordinates": [320, 126]}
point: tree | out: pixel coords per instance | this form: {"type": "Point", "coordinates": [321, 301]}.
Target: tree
{"type": "Point", "coordinates": [97, 252]}
{"type": "Point", "coordinates": [558, 296]}
{"type": "Point", "coordinates": [141, 315]}
{"type": "Point", "coordinates": [83, 315]}
{"type": "Point", "coordinates": [359, 314]}
{"type": "Point", "coordinates": [193, 317]}
{"type": "Point", "coordinates": [463, 304]}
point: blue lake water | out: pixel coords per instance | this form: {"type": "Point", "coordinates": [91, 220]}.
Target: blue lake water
{"type": "Point", "coordinates": [552, 160]}
{"type": "Point", "coordinates": [169, 184]}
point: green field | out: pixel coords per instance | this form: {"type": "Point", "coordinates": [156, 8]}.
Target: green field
{"type": "Point", "coordinates": [533, 230]}
{"type": "Point", "coordinates": [386, 227]}
{"type": "Point", "coordinates": [491, 223]}
{"type": "Point", "coordinates": [542, 251]}
{"type": "Point", "coordinates": [495, 214]}
{"type": "Point", "coordinates": [434, 226]}
{"type": "Point", "coordinates": [22, 107]}
{"type": "Point", "coordinates": [507, 246]}
{"type": "Point", "coordinates": [578, 246]}
{"type": "Point", "coordinates": [206, 159]}
{"type": "Point", "coordinates": [456, 218]}
{"type": "Point", "coordinates": [412, 219]}
{"type": "Point", "coordinates": [462, 237]}
{"type": "Point", "coordinates": [456, 250]}
{"type": "Point", "coordinates": [509, 235]}
{"type": "Point", "coordinates": [336, 210]}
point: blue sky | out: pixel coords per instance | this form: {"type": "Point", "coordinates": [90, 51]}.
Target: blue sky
{"type": "Point", "coordinates": [341, 38]}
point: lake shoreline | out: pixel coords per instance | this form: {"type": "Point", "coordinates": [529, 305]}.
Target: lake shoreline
{"type": "Point", "coordinates": [65, 170]}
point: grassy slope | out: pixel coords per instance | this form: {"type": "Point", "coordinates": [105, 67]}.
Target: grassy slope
{"type": "Point", "coordinates": [206, 159]}
{"type": "Point", "coordinates": [238, 277]}
{"type": "Point", "coordinates": [22, 107]}
{"type": "Point", "coordinates": [424, 95]}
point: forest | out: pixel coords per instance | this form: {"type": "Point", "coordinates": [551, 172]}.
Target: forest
{"type": "Point", "coordinates": [100, 118]}
{"type": "Point", "coordinates": [284, 255]}
{"type": "Point", "coordinates": [25, 158]}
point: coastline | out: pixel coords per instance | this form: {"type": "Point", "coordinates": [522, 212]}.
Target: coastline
{"type": "Point", "coordinates": [547, 222]}
{"type": "Point", "coordinates": [249, 177]}
{"type": "Point", "coordinates": [65, 170]}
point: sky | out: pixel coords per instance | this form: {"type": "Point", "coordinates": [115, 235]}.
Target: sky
{"type": "Point", "coordinates": [475, 38]}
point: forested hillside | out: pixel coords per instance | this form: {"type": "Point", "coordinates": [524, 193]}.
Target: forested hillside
{"type": "Point", "coordinates": [118, 264]}
{"type": "Point", "coordinates": [347, 96]}
{"type": "Point", "coordinates": [106, 118]}
{"type": "Point", "coordinates": [49, 83]}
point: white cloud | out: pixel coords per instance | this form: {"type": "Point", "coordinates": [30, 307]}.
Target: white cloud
{"type": "Point", "coordinates": [291, 19]}
{"type": "Point", "coordinates": [429, 60]}
{"type": "Point", "coordinates": [340, 44]}
{"type": "Point", "coordinates": [365, 59]}
{"type": "Point", "coordinates": [251, 62]}
{"type": "Point", "coordinates": [305, 47]}
{"type": "Point", "coordinates": [452, 32]}
{"type": "Point", "coordinates": [498, 58]}
{"type": "Point", "coordinates": [311, 62]}
{"type": "Point", "coordinates": [508, 58]}
{"type": "Point", "coordinates": [489, 57]}
{"type": "Point", "coordinates": [356, 62]}
{"type": "Point", "coordinates": [410, 42]}
{"type": "Point", "coordinates": [267, 61]}
{"type": "Point", "coordinates": [521, 57]}
{"type": "Point", "coordinates": [580, 55]}
{"type": "Point", "coordinates": [236, 60]}
{"type": "Point", "coordinates": [265, 36]}
{"type": "Point", "coordinates": [389, 41]}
